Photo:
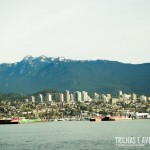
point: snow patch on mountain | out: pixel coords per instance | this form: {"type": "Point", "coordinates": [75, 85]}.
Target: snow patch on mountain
{"type": "Point", "coordinates": [28, 58]}
{"type": "Point", "coordinates": [42, 58]}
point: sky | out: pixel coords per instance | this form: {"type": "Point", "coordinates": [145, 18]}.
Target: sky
{"type": "Point", "coordinates": [76, 29]}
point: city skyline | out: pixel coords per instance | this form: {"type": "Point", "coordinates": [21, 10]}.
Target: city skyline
{"type": "Point", "coordinates": [80, 30]}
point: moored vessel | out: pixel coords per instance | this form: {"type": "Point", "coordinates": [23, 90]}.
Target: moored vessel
{"type": "Point", "coordinates": [107, 118]}
{"type": "Point", "coordinates": [8, 121]}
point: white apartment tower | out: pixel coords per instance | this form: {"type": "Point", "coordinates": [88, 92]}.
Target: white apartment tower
{"type": "Point", "coordinates": [77, 96]}
{"type": "Point", "coordinates": [32, 98]}
{"type": "Point", "coordinates": [133, 97]}
{"type": "Point", "coordinates": [48, 97]}
{"type": "Point", "coordinates": [71, 97]}
{"type": "Point", "coordinates": [84, 96]}
{"type": "Point", "coordinates": [67, 96]}
{"type": "Point", "coordinates": [61, 97]}
{"type": "Point", "coordinates": [96, 96]}
{"type": "Point", "coordinates": [119, 93]}
{"type": "Point", "coordinates": [103, 97]}
{"type": "Point", "coordinates": [40, 97]}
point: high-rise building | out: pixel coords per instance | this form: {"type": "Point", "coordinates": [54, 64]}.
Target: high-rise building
{"type": "Point", "coordinates": [40, 97]}
{"type": "Point", "coordinates": [108, 96]}
{"type": "Point", "coordinates": [133, 96]}
{"type": "Point", "coordinates": [84, 96]}
{"type": "Point", "coordinates": [119, 93]}
{"type": "Point", "coordinates": [48, 97]}
{"type": "Point", "coordinates": [61, 97]}
{"type": "Point", "coordinates": [103, 97]}
{"type": "Point", "coordinates": [67, 96]}
{"type": "Point", "coordinates": [96, 96]}
{"type": "Point", "coordinates": [71, 97]}
{"type": "Point", "coordinates": [32, 98]}
{"type": "Point", "coordinates": [77, 96]}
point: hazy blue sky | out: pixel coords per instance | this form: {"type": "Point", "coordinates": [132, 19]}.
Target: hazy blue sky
{"type": "Point", "coordinates": [77, 29]}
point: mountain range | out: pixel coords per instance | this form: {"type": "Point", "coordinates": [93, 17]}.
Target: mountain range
{"type": "Point", "coordinates": [33, 74]}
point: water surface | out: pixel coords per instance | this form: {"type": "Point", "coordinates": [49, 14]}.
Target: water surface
{"type": "Point", "coordinates": [72, 135]}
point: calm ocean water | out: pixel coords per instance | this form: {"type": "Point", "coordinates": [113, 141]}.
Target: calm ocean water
{"type": "Point", "coordinates": [72, 135]}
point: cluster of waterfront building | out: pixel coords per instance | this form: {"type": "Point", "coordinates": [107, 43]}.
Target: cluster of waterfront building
{"type": "Point", "coordinates": [62, 97]}
{"type": "Point", "coordinates": [77, 105]}
{"type": "Point", "coordinates": [83, 96]}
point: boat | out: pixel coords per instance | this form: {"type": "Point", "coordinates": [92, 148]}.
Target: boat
{"type": "Point", "coordinates": [22, 121]}
{"type": "Point", "coordinates": [95, 119]}
{"type": "Point", "coordinates": [122, 118]}
{"type": "Point", "coordinates": [115, 118]}
{"type": "Point", "coordinates": [8, 121]}
{"type": "Point", "coordinates": [107, 118]}
{"type": "Point", "coordinates": [60, 119]}
{"type": "Point", "coordinates": [92, 119]}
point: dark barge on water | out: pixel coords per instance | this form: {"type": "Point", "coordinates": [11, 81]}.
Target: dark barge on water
{"type": "Point", "coordinates": [8, 121]}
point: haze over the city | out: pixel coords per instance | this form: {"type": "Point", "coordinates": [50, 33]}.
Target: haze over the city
{"type": "Point", "coordinates": [78, 29]}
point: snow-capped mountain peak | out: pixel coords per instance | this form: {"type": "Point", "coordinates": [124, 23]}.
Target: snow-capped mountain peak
{"type": "Point", "coordinates": [28, 57]}
{"type": "Point", "coordinates": [42, 58]}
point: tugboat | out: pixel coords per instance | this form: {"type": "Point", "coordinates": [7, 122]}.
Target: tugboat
{"type": "Point", "coordinates": [107, 118]}
{"type": "Point", "coordinates": [92, 119]}
{"type": "Point", "coordinates": [95, 119]}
